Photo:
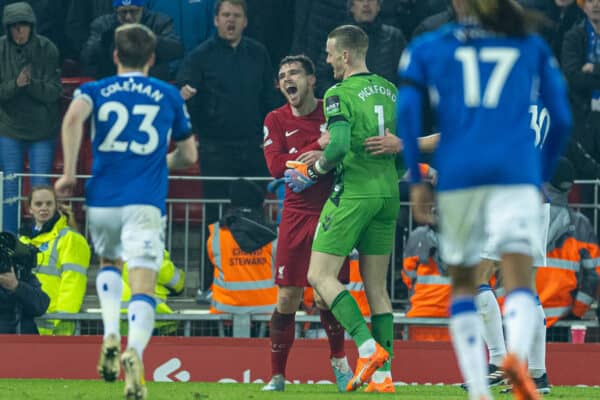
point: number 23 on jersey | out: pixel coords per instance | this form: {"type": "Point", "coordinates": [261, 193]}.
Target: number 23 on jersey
{"type": "Point", "coordinates": [112, 143]}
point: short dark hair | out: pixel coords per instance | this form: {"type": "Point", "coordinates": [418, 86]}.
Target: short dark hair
{"type": "Point", "coordinates": [304, 60]}
{"type": "Point", "coordinates": [135, 44]}
{"type": "Point", "coordinates": [240, 3]}
{"type": "Point", "coordinates": [350, 37]}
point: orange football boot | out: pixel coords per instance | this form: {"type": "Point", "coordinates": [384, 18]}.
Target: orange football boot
{"type": "Point", "coordinates": [366, 367]}
{"type": "Point", "coordinates": [522, 385]}
{"type": "Point", "coordinates": [387, 386]}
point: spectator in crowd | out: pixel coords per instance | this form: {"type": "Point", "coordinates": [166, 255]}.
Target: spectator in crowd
{"type": "Point", "coordinates": [386, 43]}
{"type": "Point", "coordinates": [313, 20]}
{"type": "Point", "coordinates": [78, 21]}
{"type": "Point", "coordinates": [193, 19]}
{"type": "Point", "coordinates": [426, 277]}
{"type": "Point", "coordinates": [169, 282]}
{"type": "Point", "coordinates": [568, 283]}
{"type": "Point", "coordinates": [563, 15]}
{"type": "Point", "coordinates": [50, 16]}
{"type": "Point", "coordinates": [581, 65]}
{"type": "Point", "coordinates": [229, 83]}
{"type": "Point", "coordinates": [296, 131]}
{"type": "Point", "coordinates": [30, 88]}
{"type": "Point", "coordinates": [63, 258]}
{"type": "Point", "coordinates": [96, 54]}
{"type": "Point", "coordinates": [21, 296]}
{"type": "Point", "coordinates": [241, 247]}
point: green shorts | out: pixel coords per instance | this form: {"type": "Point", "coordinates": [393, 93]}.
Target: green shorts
{"type": "Point", "coordinates": [368, 225]}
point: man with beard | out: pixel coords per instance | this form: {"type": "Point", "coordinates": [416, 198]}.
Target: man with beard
{"type": "Point", "coordinates": [296, 132]}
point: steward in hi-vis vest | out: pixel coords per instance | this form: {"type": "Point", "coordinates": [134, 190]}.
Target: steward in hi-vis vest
{"type": "Point", "coordinates": [241, 247]}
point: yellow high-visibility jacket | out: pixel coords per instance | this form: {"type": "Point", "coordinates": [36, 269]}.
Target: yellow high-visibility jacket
{"type": "Point", "coordinates": [170, 280]}
{"type": "Point", "coordinates": [63, 262]}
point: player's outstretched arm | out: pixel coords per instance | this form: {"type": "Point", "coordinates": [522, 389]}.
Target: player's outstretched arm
{"type": "Point", "coordinates": [184, 155]}
{"type": "Point", "coordinates": [72, 132]}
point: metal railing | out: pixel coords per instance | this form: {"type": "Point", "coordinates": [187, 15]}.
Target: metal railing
{"type": "Point", "coordinates": [195, 322]}
{"type": "Point", "coordinates": [186, 238]}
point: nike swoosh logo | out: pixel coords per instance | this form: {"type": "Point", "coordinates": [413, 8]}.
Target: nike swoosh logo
{"type": "Point", "coordinates": [290, 133]}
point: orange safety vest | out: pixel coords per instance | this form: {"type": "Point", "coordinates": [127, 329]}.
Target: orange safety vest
{"type": "Point", "coordinates": [569, 281]}
{"type": "Point", "coordinates": [356, 287]}
{"type": "Point", "coordinates": [243, 282]}
{"type": "Point", "coordinates": [430, 289]}
{"type": "Point", "coordinates": [568, 272]}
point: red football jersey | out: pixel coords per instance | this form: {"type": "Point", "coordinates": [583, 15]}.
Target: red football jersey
{"type": "Point", "coordinates": [286, 137]}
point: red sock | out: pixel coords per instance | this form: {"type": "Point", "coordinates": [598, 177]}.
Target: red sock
{"type": "Point", "coordinates": [335, 333]}
{"type": "Point", "coordinates": [282, 338]}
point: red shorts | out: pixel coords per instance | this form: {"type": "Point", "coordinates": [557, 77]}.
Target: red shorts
{"type": "Point", "coordinates": [294, 243]}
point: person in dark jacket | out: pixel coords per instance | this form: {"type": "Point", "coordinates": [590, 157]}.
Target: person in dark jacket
{"type": "Point", "coordinates": [97, 53]}
{"type": "Point", "coordinates": [30, 88]}
{"type": "Point", "coordinates": [50, 19]}
{"type": "Point", "coordinates": [562, 14]}
{"type": "Point", "coordinates": [580, 62]}
{"type": "Point", "coordinates": [21, 300]}
{"type": "Point", "coordinates": [386, 44]}
{"type": "Point", "coordinates": [230, 86]}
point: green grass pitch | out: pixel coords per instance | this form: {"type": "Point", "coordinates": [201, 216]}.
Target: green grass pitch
{"type": "Point", "coordinates": [40, 389]}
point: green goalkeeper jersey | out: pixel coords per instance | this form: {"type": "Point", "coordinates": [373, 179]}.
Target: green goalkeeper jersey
{"type": "Point", "coordinates": [368, 103]}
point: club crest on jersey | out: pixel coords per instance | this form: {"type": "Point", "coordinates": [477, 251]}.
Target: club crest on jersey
{"type": "Point", "coordinates": [332, 105]}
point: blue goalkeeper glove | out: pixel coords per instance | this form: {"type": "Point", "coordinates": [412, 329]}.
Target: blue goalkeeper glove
{"type": "Point", "coordinates": [299, 176]}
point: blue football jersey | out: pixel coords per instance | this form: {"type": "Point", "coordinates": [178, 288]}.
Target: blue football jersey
{"type": "Point", "coordinates": [133, 119]}
{"type": "Point", "coordinates": [481, 86]}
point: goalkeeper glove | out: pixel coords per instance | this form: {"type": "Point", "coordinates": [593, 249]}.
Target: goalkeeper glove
{"type": "Point", "coordinates": [299, 176]}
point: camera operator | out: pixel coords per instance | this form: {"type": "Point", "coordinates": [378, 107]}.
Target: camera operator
{"type": "Point", "coordinates": [21, 300]}
{"type": "Point", "coordinates": [63, 257]}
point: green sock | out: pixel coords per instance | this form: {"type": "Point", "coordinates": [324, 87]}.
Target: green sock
{"type": "Point", "coordinates": [346, 311]}
{"type": "Point", "coordinates": [382, 326]}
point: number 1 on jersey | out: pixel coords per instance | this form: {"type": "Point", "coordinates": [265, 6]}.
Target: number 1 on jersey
{"type": "Point", "coordinates": [504, 59]}
{"type": "Point", "coordinates": [380, 120]}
